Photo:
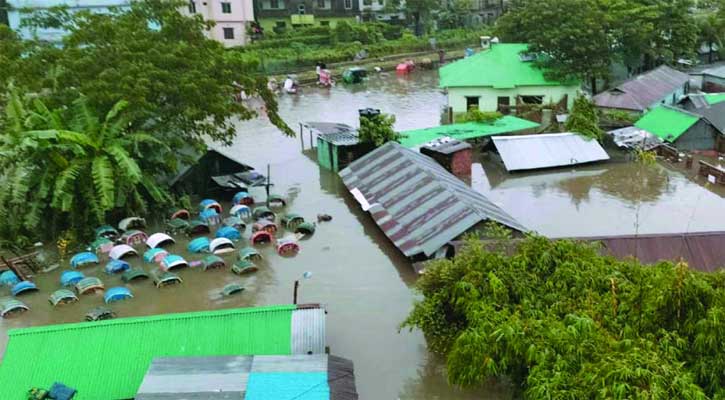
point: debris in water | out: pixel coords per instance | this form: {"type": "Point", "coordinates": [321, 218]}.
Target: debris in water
{"type": "Point", "coordinates": [324, 217]}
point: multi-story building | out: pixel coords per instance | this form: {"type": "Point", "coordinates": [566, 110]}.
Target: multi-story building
{"type": "Point", "coordinates": [376, 10]}
{"type": "Point", "coordinates": [486, 11]}
{"type": "Point", "coordinates": [232, 18]}
{"type": "Point", "coordinates": [287, 14]}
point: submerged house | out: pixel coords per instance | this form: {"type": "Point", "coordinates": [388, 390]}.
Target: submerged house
{"type": "Point", "coordinates": [710, 106]}
{"type": "Point", "coordinates": [683, 129]}
{"type": "Point", "coordinates": [214, 170]}
{"type": "Point", "coordinates": [662, 85]}
{"type": "Point", "coordinates": [547, 150]}
{"type": "Point", "coordinates": [314, 376]}
{"type": "Point", "coordinates": [417, 204]}
{"type": "Point", "coordinates": [108, 359]}
{"type": "Point", "coordinates": [500, 77]}
{"type": "Point", "coordinates": [713, 80]}
{"type": "Point", "coordinates": [467, 131]}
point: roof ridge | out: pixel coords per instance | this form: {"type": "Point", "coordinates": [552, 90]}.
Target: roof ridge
{"type": "Point", "coordinates": [150, 318]}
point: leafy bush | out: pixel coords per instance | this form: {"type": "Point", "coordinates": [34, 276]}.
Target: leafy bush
{"type": "Point", "coordinates": [476, 115]}
{"type": "Point", "coordinates": [619, 116]}
{"type": "Point", "coordinates": [378, 129]}
{"type": "Point", "coordinates": [564, 322]}
{"type": "Point", "coordinates": [583, 119]}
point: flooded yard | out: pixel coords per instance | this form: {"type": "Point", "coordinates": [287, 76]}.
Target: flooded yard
{"type": "Point", "coordinates": [363, 281]}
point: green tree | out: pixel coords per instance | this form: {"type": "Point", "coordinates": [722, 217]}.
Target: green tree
{"type": "Point", "coordinates": [711, 32]}
{"type": "Point", "coordinates": [378, 129]}
{"type": "Point", "coordinates": [69, 167]}
{"type": "Point", "coordinates": [583, 119]}
{"type": "Point", "coordinates": [417, 10]}
{"type": "Point", "coordinates": [570, 35]}
{"type": "Point", "coordinates": [564, 322]}
{"type": "Point", "coordinates": [178, 84]}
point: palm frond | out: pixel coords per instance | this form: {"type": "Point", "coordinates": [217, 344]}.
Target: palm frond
{"type": "Point", "coordinates": [127, 165]}
{"type": "Point", "coordinates": [84, 119]}
{"type": "Point", "coordinates": [116, 110]}
{"type": "Point", "coordinates": [70, 137]}
{"type": "Point", "coordinates": [14, 110]}
{"type": "Point", "coordinates": [102, 172]}
{"type": "Point", "coordinates": [155, 192]}
{"type": "Point", "coordinates": [50, 118]}
{"type": "Point", "coordinates": [62, 193]}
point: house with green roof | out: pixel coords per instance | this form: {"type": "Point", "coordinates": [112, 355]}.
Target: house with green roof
{"type": "Point", "coordinates": [107, 360]}
{"type": "Point", "coordinates": [683, 129]}
{"type": "Point", "coordinates": [500, 77]}
{"type": "Point", "coordinates": [466, 131]}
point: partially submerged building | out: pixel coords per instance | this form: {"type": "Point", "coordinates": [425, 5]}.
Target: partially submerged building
{"type": "Point", "coordinates": [315, 376]}
{"type": "Point", "coordinates": [501, 77]}
{"type": "Point", "coordinates": [417, 204]}
{"type": "Point", "coordinates": [711, 106]}
{"type": "Point", "coordinates": [713, 80]}
{"type": "Point", "coordinates": [214, 170]}
{"type": "Point", "coordinates": [662, 85]}
{"type": "Point", "coordinates": [108, 359]}
{"type": "Point", "coordinates": [549, 150]}
{"type": "Point", "coordinates": [684, 130]}
{"type": "Point", "coordinates": [467, 131]}
{"type": "Point", "coordinates": [703, 251]}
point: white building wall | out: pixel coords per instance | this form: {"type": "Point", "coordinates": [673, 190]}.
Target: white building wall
{"type": "Point", "coordinates": [242, 13]}
{"type": "Point", "coordinates": [488, 96]}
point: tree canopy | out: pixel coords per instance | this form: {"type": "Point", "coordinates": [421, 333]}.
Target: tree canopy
{"type": "Point", "coordinates": [583, 119]}
{"type": "Point", "coordinates": [582, 38]}
{"type": "Point", "coordinates": [565, 322]}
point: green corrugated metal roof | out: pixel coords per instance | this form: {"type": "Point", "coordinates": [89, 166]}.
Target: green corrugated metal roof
{"type": "Point", "coordinates": [466, 130]}
{"type": "Point", "coordinates": [500, 67]}
{"type": "Point", "coordinates": [714, 98]}
{"type": "Point", "coordinates": [667, 123]}
{"type": "Point", "coordinates": [107, 360]}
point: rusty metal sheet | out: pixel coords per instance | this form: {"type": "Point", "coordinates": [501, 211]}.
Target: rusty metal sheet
{"type": "Point", "coordinates": [417, 203]}
{"type": "Point", "coordinates": [640, 92]}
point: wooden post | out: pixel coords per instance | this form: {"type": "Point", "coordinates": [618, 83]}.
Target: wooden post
{"type": "Point", "coordinates": [15, 270]}
{"type": "Point", "coordinates": [312, 144]}
{"type": "Point", "coordinates": [294, 297]}
{"type": "Point", "coordinates": [302, 138]}
{"type": "Point", "coordinates": [266, 187]}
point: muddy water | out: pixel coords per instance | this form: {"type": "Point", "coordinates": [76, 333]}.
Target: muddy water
{"type": "Point", "coordinates": [360, 277]}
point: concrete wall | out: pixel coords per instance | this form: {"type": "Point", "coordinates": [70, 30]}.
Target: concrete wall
{"type": "Point", "coordinates": [700, 136]}
{"type": "Point", "coordinates": [488, 96]}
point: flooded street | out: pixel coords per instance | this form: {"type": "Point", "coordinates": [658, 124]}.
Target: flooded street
{"type": "Point", "coordinates": [363, 281]}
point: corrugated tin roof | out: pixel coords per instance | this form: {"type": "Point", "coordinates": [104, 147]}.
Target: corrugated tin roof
{"type": "Point", "coordinates": [710, 106]}
{"type": "Point", "coordinates": [341, 138]}
{"type": "Point", "coordinates": [108, 359]}
{"type": "Point", "coordinates": [716, 72]}
{"type": "Point", "coordinates": [703, 251]}
{"type": "Point", "coordinates": [250, 377]}
{"type": "Point", "coordinates": [548, 150]}
{"type": "Point", "coordinates": [308, 331]}
{"type": "Point", "coordinates": [500, 67]}
{"type": "Point", "coordinates": [323, 128]}
{"type": "Point", "coordinates": [417, 203]}
{"type": "Point", "coordinates": [632, 137]}
{"type": "Point", "coordinates": [466, 130]}
{"type": "Point", "coordinates": [667, 123]}
{"type": "Point", "coordinates": [640, 92]}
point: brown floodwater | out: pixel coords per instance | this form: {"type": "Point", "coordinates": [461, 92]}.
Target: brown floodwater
{"type": "Point", "coordinates": [363, 281]}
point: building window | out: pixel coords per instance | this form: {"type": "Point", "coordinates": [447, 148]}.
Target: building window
{"type": "Point", "coordinates": [301, 9]}
{"type": "Point", "coordinates": [532, 99]}
{"type": "Point", "coordinates": [472, 102]}
{"type": "Point", "coordinates": [324, 23]}
{"type": "Point", "coordinates": [228, 33]}
{"type": "Point", "coordinates": [226, 8]}
{"type": "Point", "coordinates": [192, 7]}
{"type": "Point", "coordinates": [348, 4]}
{"type": "Point", "coordinates": [273, 3]}
{"type": "Point", "coordinates": [503, 103]}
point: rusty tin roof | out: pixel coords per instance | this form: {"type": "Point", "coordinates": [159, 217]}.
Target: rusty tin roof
{"type": "Point", "coordinates": [642, 91]}
{"type": "Point", "coordinates": [417, 203]}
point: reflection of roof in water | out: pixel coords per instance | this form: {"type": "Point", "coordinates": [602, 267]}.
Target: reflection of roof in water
{"type": "Point", "coordinates": [518, 181]}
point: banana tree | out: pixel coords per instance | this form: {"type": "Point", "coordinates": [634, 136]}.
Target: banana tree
{"type": "Point", "coordinates": [72, 167]}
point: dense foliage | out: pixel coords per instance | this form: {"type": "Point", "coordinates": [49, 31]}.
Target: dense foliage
{"type": "Point", "coordinates": [95, 123]}
{"type": "Point", "coordinates": [582, 38]}
{"type": "Point", "coordinates": [476, 115]}
{"type": "Point", "coordinates": [378, 129]}
{"type": "Point", "coordinates": [71, 167]}
{"type": "Point", "coordinates": [567, 323]}
{"type": "Point", "coordinates": [583, 119]}
{"type": "Point", "coordinates": [303, 49]}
